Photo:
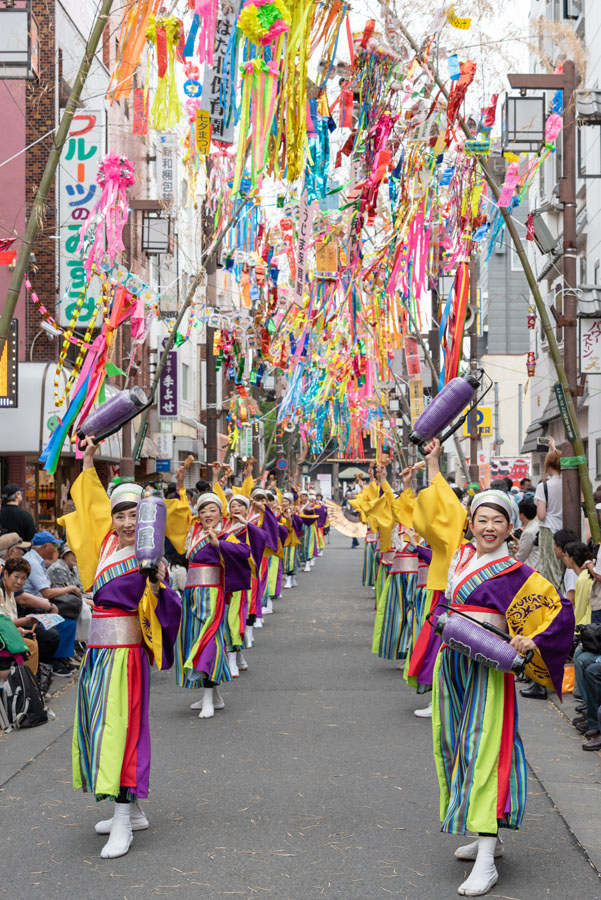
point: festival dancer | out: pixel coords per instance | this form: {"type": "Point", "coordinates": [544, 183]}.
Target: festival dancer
{"type": "Point", "coordinates": [217, 565]}
{"type": "Point", "coordinates": [477, 748]}
{"type": "Point", "coordinates": [133, 620]}
{"type": "Point", "coordinates": [294, 525]}
{"type": "Point", "coordinates": [308, 517]}
{"type": "Point", "coordinates": [262, 518]}
{"type": "Point", "coordinates": [274, 566]}
{"type": "Point", "coordinates": [393, 615]}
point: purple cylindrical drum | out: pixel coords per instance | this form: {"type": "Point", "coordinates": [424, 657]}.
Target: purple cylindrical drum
{"type": "Point", "coordinates": [114, 413]}
{"type": "Point", "coordinates": [483, 646]}
{"type": "Point", "coordinates": [150, 531]}
{"type": "Point", "coordinates": [445, 407]}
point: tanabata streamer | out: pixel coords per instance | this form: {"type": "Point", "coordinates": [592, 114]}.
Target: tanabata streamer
{"type": "Point", "coordinates": [163, 35]}
{"type": "Point", "coordinates": [104, 227]}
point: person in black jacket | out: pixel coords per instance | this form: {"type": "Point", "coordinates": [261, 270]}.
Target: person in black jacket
{"type": "Point", "coordinates": [12, 517]}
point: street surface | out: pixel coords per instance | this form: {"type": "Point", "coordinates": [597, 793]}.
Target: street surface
{"type": "Point", "coordinates": [316, 781]}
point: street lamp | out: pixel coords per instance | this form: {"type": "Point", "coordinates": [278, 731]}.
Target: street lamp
{"type": "Point", "coordinates": [19, 40]}
{"type": "Point", "coordinates": [156, 234]}
{"type": "Point", "coordinates": [523, 124]}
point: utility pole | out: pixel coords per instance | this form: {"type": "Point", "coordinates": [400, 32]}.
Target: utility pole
{"type": "Point", "coordinates": [473, 333]}
{"type": "Point", "coordinates": [568, 319]}
{"type": "Point", "coordinates": [36, 216]}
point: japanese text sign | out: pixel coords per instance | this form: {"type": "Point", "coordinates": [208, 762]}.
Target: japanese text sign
{"type": "Point", "coordinates": [590, 346]}
{"type": "Point", "coordinates": [168, 399]}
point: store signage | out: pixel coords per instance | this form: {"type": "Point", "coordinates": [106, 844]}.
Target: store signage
{"type": "Point", "coordinates": [215, 99]}
{"type": "Point", "coordinates": [590, 346]}
{"type": "Point", "coordinates": [168, 398]}
{"type": "Point", "coordinates": [562, 403]}
{"type": "Point", "coordinates": [9, 368]}
{"type": "Point", "coordinates": [77, 194]}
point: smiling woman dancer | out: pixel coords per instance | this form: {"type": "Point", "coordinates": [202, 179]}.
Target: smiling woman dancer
{"type": "Point", "coordinates": [218, 564]}
{"type": "Point", "coordinates": [111, 738]}
{"type": "Point", "coordinates": [477, 748]}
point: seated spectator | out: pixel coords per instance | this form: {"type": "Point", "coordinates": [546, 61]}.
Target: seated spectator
{"type": "Point", "coordinates": [561, 539]}
{"type": "Point", "coordinates": [38, 595]}
{"type": "Point", "coordinates": [12, 547]}
{"type": "Point", "coordinates": [575, 555]}
{"type": "Point", "coordinates": [14, 575]}
{"type": "Point", "coordinates": [588, 681]}
{"type": "Point", "coordinates": [62, 572]}
{"type": "Point", "coordinates": [528, 550]}
{"type": "Point", "coordinates": [594, 570]}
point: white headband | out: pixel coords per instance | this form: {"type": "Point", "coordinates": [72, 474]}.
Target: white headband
{"type": "Point", "coordinates": [209, 498]}
{"type": "Point", "coordinates": [242, 498]}
{"type": "Point", "coordinates": [126, 492]}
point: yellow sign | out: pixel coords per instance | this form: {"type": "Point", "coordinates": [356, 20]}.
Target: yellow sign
{"type": "Point", "coordinates": [455, 20]}
{"type": "Point", "coordinates": [483, 421]}
{"type": "Point", "coordinates": [203, 131]}
{"type": "Point", "coordinates": [416, 397]}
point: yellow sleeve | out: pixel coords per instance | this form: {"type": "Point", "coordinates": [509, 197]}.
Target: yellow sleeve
{"type": "Point", "coordinates": [217, 489]}
{"type": "Point", "coordinates": [88, 526]}
{"type": "Point", "coordinates": [247, 486]}
{"type": "Point", "coordinates": [440, 519]}
{"type": "Point", "coordinates": [380, 519]}
{"type": "Point", "coordinates": [179, 521]}
{"type": "Point", "coordinates": [402, 508]}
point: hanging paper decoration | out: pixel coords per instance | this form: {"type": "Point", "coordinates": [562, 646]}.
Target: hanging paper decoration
{"type": "Point", "coordinates": [531, 317]}
{"type": "Point", "coordinates": [207, 11]}
{"type": "Point", "coordinates": [259, 95]}
{"type": "Point", "coordinates": [131, 41]}
{"type": "Point", "coordinates": [101, 234]}
{"type": "Point", "coordinates": [531, 363]}
{"type": "Point", "coordinates": [262, 21]}
{"type": "Point", "coordinates": [163, 34]}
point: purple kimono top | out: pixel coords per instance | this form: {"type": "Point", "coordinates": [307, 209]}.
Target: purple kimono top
{"type": "Point", "coordinates": [233, 557]}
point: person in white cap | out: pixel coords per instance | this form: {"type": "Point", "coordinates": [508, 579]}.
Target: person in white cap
{"type": "Point", "coordinates": [134, 619]}
{"type": "Point", "coordinates": [295, 531]}
{"type": "Point", "coordinates": [478, 752]}
{"type": "Point", "coordinates": [217, 565]}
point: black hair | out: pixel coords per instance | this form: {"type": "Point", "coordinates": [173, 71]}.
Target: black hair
{"type": "Point", "coordinates": [204, 487]}
{"type": "Point", "coordinates": [578, 551]}
{"type": "Point", "coordinates": [497, 508]}
{"type": "Point", "coordinates": [508, 482]}
{"type": "Point", "coordinates": [564, 536]}
{"type": "Point", "coordinates": [498, 484]}
{"type": "Point", "coordinates": [459, 492]}
{"type": "Point", "coordinates": [523, 481]}
{"type": "Point", "coordinates": [122, 507]}
{"type": "Point", "coordinates": [527, 508]}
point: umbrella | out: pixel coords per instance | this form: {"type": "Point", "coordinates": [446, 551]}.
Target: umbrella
{"type": "Point", "coordinates": [339, 519]}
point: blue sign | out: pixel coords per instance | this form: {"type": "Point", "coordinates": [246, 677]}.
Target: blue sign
{"type": "Point", "coordinates": [281, 463]}
{"type": "Point", "coordinates": [163, 465]}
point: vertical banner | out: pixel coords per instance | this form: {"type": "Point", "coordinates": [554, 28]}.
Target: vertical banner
{"type": "Point", "coordinates": [414, 369]}
{"type": "Point", "coordinates": [305, 233]}
{"type": "Point", "coordinates": [219, 80]}
{"type": "Point", "coordinates": [416, 398]}
{"type": "Point", "coordinates": [168, 394]}
{"type": "Point", "coordinates": [203, 132]}
{"type": "Point", "coordinates": [590, 346]}
{"type": "Point", "coordinates": [167, 169]}
{"type": "Point", "coordinates": [140, 111]}
{"type": "Point", "coordinates": [77, 194]}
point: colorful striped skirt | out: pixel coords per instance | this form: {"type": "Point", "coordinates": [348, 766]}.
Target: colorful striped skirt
{"type": "Point", "coordinates": [258, 587]}
{"type": "Point", "coordinates": [111, 737]}
{"type": "Point", "coordinates": [235, 621]}
{"type": "Point", "coordinates": [309, 542]}
{"type": "Point", "coordinates": [274, 578]}
{"type": "Point", "coordinates": [321, 541]}
{"type": "Point", "coordinates": [417, 615]}
{"type": "Point", "coordinates": [478, 752]}
{"type": "Point", "coordinates": [391, 626]}
{"type": "Point", "coordinates": [381, 576]}
{"type": "Point", "coordinates": [200, 649]}
{"type": "Point", "coordinates": [290, 560]}
{"type": "Point", "coordinates": [369, 555]}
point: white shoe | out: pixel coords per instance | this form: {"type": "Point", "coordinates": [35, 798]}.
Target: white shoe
{"type": "Point", "coordinates": [312, 562]}
{"type": "Point", "coordinates": [294, 581]}
{"type": "Point", "coordinates": [207, 710]}
{"type": "Point", "coordinates": [425, 713]}
{"type": "Point", "coordinates": [138, 820]}
{"type": "Point", "coordinates": [320, 552]}
{"type": "Point", "coordinates": [231, 658]}
{"type": "Point", "coordinates": [242, 664]}
{"type": "Point", "coordinates": [469, 852]}
{"type": "Point", "coordinates": [248, 637]}
{"type": "Point", "coordinates": [218, 702]}
{"type": "Point", "coordinates": [484, 874]}
{"type": "Point", "coordinates": [267, 610]}
{"type": "Point", "coordinates": [121, 835]}
{"type": "Point", "coordinates": [288, 582]}
{"type": "Point", "coordinates": [258, 623]}
{"type": "Point", "coordinates": [307, 567]}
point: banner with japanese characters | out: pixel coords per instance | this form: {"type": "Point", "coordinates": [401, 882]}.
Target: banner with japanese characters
{"type": "Point", "coordinates": [168, 394]}
{"type": "Point", "coordinates": [217, 89]}
{"type": "Point", "coordinates": [590, 346]}
{"type": "Point", "coordinates": [77, 194]}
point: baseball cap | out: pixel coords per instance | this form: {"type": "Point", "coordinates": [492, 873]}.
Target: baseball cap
{"type": "Point", "coordinates": [12, 539]}
{"type": "Point", "coordinates": [44, 537]}
{"type": "Point", "coordinates": [9, 490]}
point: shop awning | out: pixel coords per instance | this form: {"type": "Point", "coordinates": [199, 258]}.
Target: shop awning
{"type": "Point", "coordinates": [27, 429]}
{"type": "Point", "coordinates": [533, 432]}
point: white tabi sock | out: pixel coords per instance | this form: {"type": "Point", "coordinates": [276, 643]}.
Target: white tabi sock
{"type": "Point", "coordinates": [208, 709]}
{"type": "Point", "coordinates": [484, 874]}
{"type": "Point", "coordinates": [121, 836]}
{"type": "Point", "coordinates": [294, 581]}
{"type": "Point", "coordinates": [288, 582]}
{"type": "Point", "coordinates": [231, 658]}
{"type": "Point", "coordinates": [218, 702]}
{"type": "Point", "coordinates": [307, 567]}
{"type": "Point", "coordinates": [470, 851]}
{"type": "Point", "coordinates": [138, 820]}
{"type": "Point", "coordinates": [242, 664]}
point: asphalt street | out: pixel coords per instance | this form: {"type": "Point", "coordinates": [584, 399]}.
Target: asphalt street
{"type": "Point", "coordinates": [316, 781]}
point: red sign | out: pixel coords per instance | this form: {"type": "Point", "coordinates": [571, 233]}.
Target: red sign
{"type": "Point", "coordinates": [140, 111]}
{"type": "Point", "coordinates": [412, 356]}
{"type": "Point", "coordinates": [514, 467]}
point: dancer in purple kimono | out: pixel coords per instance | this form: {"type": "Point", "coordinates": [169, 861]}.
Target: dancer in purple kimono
{"type": "Point", "coordinates": [134, 620]}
